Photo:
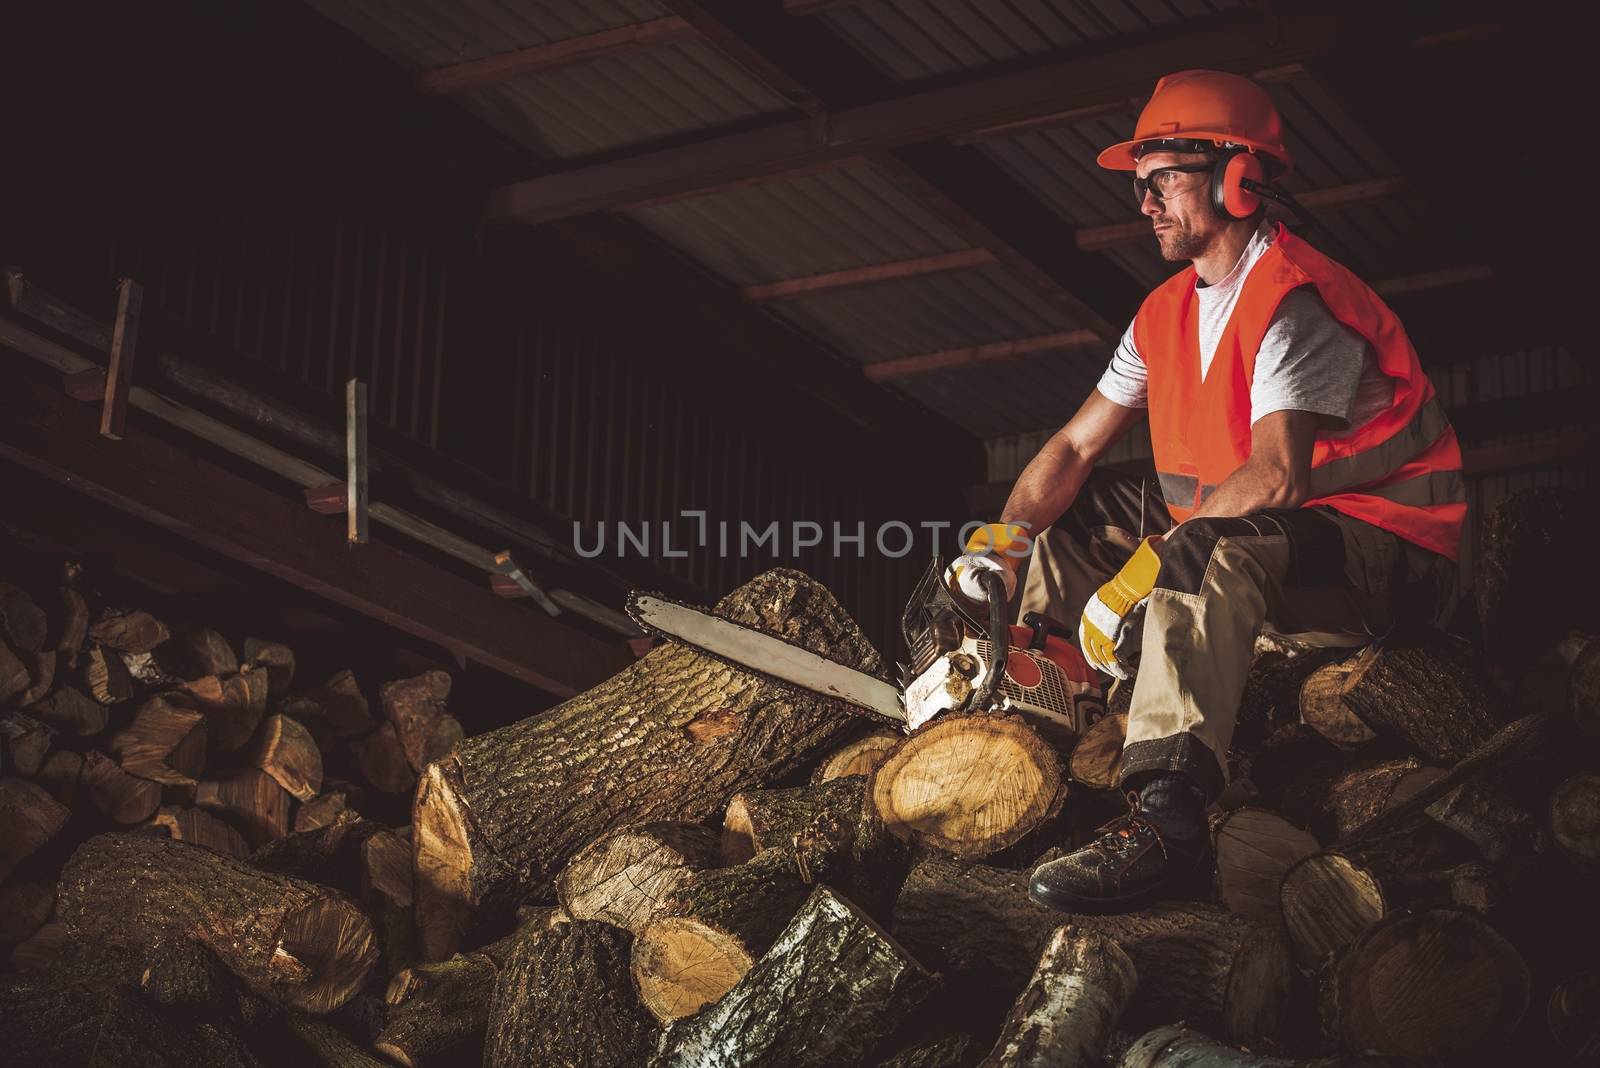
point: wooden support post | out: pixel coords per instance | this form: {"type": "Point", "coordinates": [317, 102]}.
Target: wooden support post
{"type": "Point", "coordinates": [119, 374]}
{"type": "Point", "coordinates": [355, 460]}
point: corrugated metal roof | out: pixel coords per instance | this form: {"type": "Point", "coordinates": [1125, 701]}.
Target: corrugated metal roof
{"type": "Point", "coordinates": [995, 399]}
{"type": "Point", "coordinates": [573, 111]}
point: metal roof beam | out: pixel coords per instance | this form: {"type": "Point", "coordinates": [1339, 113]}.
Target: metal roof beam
{"type": "Point", "coordinates": [621, 41]}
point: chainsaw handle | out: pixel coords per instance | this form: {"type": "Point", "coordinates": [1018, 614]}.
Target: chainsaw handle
{"type": "Point", "coordinates": [999, 640]}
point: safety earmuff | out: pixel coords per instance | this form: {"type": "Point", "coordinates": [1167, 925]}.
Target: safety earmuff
{"type": "Point", "coordinates": [1234, 181]}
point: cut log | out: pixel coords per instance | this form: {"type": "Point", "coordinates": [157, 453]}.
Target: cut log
{"type": "Point", "coordinates": [29, 818]}
{"type": "Point", "coordinates": [438, 1012]}
{"type": "Point", "coordinates": [498, 820]}
{"type": "Point", "coordinates": [200, 828]}
{"type": "Point", "coordinates": [623, 877]}
{"type": "Point", "coordinates": [122, 798]}
{"type": "Point", "coordinates": [1583, 687]}
{"type": "Point", "coordinates": [555, 977]}
{"type": "Point", "coordinates": [831, 989]}
{"type": "Point", "coordinates": [767, 819]}
{"type": "Point", "coordinates": [135, 631]}
{"type": "Point", "coordinates": [926, 791]}
{"type": "Point", "coordinates": [414, 706]}
{"type": "Point", "coordinates": [59, 775]}
{"type": "Point", "coordinates": [1573, 1016]}
{"type": "Point", "coordinates": [952, 1049]}
{"type": "Point", "coordinates": [1226, 972]}
{"type": "Point", "coordinates": [1535, 575]}
{"type": "Point", "coordinates": [330, 855]}
{"type": "Point", "coordinates": [105, 676]}
{"type": "Point", "coordinates": [1433, 696]}
{"type": "Point", "coordinates": [323, 810]}
{"type": "Point", "coordinates": [1575, 816]}
{"type": "Point", "coordinates": [24, 906]}
{"type": "Point", "coordinates": [1096, 760]}
{"type": "Point", "coordinates": [285, 750]}
{"type": "Point", "coordinates": [22, 621]}
{"type": "Point", "coordinates": [1333, 807]}
{"type": "Point", "coordinates": [233, 705]}
{"type": "Point", "coordinates": [1439, 985]}
{"type": "Point", "coordinates": [337, 706]}
{"type": "Point", "coordinates": [41, 674]}
{"type": "Point", "coordinates": [71, 710]}
{"type": "Point", "coordinates": [1254, 848]}
{"type": "Point", "coordinates": [709, 932]}
{"type": "Point", "coordinates": [290, 941]}
{"type": "Point", "coordinates": [164, 743]}
{"type": "Point", "coordinates": [200, 651]}
{"type": "Point", "coordinates": [27, 742]}
{"type": "Point", "coordinates": [14, 675]}
{"type": "Point", "coordinates": [1178, 1047]}
{"type": "Point", "coordinates": [323, 1044]}
{"type": "Point", "coordinates": [1322, 707]}
{"type": "Point", "coordinates": [252, 799]}
{"type": "Point", "coordinates": [382, 760]}
{"type": "Point", "coordinates": [1065, 1015]}
{"type": "Point", "coordinates": [859, 757]}
{"type": "Point", "coordinates": [1484, 816]}
{"type": "Point", "coordinates": [42, 947]}
{"type": "Point", "coordinates": [276, 658]}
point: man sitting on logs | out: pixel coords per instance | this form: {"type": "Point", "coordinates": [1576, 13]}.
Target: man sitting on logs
{"type": "Point", "coordinates": [1311, 481]}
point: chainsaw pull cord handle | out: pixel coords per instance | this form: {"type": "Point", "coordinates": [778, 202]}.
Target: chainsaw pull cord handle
{"type": "Point", "coordinates": [999, 640]}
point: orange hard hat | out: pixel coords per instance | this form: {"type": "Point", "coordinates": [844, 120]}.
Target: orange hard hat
{"type": "Point", "coordinates": [1209, 106]}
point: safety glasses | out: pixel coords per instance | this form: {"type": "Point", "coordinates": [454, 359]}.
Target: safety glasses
{"type": "Point", "coordinates": [1163, 181]}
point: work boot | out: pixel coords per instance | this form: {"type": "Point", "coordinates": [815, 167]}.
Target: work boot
{"type": "Point", "coordinates": [1133, 860]}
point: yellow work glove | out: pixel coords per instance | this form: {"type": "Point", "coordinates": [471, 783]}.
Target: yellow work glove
{"type": "Point", "coordinates": [1101, 629]}
{"type": "Point", "coordinates": [999, 547]}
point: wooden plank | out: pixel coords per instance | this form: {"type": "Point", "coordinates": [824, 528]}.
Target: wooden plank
{"type": "Point", "coordinates": [888, 370]}
{"type": "Point", "coordinates": [155, 481]}
{"type": "Point", "coordinates": [124, 343]}
{"type": "Point", "coordinates": [621, 41]}
{"type": "Point", "coordinates": [355, 461]}
{"type": "Point", "coordinates": [856, 277]}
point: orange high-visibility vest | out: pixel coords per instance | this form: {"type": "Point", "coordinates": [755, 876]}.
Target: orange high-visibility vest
{"type": "Point", "coordinates": [1400, 470]}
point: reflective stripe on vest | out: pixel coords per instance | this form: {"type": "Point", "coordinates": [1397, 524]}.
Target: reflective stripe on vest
{"type": "Point", "coordinates": [1384, 458]}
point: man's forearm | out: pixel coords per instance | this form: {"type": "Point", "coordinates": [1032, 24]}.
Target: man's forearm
{"type": "Point", "coordinates": [1047, 486]}
{"type": "Point", "coordinates": [1253, 486]}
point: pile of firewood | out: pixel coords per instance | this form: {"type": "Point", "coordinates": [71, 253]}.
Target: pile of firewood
{"type": "Point", "coordinates": [690, 865]}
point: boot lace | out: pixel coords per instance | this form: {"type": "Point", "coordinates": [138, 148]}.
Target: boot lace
{"type": "Point", "coordinates": [1121, 833]}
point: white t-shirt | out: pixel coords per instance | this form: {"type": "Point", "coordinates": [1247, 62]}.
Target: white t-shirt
{"type": "Point", "coordinates": [1308, 360]}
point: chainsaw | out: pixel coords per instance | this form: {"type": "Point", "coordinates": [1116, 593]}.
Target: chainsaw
{"type": "Point", "coordinates": [957, 662]}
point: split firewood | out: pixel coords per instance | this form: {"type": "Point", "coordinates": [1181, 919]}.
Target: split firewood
{"type": "Point", "coordinates": [29, 818]}
{"type": "Point", "coordinates": [575, 971]}
{"type": "Point", "coordinates": [1322, 706]}
{"type": "Point", "coordinates": [164, 743]}
{"type": "Point", "coordinates": [382, 760]}
{"type": "Point", "coordinates": [1575, 816]}
{"type": "Point", "coordinates": [447, 734]}
{"type": "Point", "coordinates": [710, 931]}
{"type": "Point", "coordinates": [135, 631]}
{"type": "Point", "coordinates": [200, 828]}
{"type": "Point", "coordinates": [27, 742]}
{"type": "Point", "coordinates": [831, 989]}
{"type": "Point", "coordinates": [41, 674]}
{"type": "Point", "coordinates": [624, 875]}
{"type": "Point", "coordinates": [1439, 985]}
{"type": "Point", "coordinates": [322, 810]}
{"type": "Point", "coordinates": [336, 707]}
{"type": "Point", "coordinates": [105, 676]}
{"type": "Point", "coordinates": [1433, 696]}
{"type": "Point", "coordinates": [858, 757]}
{"type": "Point", "coordinates": [767, 819]}
{"type": "Point", "coordinates": [276, 658]}
{"type": "Point", "coordinates": [233, 704]}
{"type": "Point", "coordinates": [1065, 1015]}
{"type": "Point", "coordinates": [70, 710]}
{"type": "Point", "coordinates": [22, 621]}
{"type": "Point", "coordinates": [1096, 760]}
{"type": "Point", "coordinates": [949, 1050]}
{"type": "Point", "coordinates": [1175, 1046]}
{"type": "Point", "coordinates": [1196, 962]}
{"type": "Point", "coordinates": [24, 907]}
{"type": "Point", "coordinates": [121, 797]}
{"type": "Point", "coordinates": [414, 706]}
{"type": "Point", "coordinates": [199, 651]}
{"type": "Point", "coordinates": [253, 800]}
{"type": "Point", "coordinates": [284, 749]}
{"type": "Point", "coordinates": [59, 775]}
{"type": "Point", "coordinates": [926, 792]}
{"type": "Point", "coordinates": [1253, 849]}
{"type": "Point", "coordinates": [293, 942]}
{"type": "Point", "coordinates": [14, 675]}
{"type": "Point", "coordinates": [386, 869]}
{"type": "Point", "coordinates": [498, 819]}
{"type": "Point", "coordinates": [71, 625]}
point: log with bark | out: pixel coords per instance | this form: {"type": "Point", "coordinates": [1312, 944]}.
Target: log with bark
{"type": "Point", "coordinates": [200, 828]}
{"type": "Point", "coordinates": [1065, 1015]}
{"type": "Point", "coordinates": [286, 751]}
{"type": "Point", "coordinates": [164, 743]}
{"type": "Point", "coordinates": [1536, 577]}
{"type": "Point", "coordinates": [1197, 962]}
{"type": "Point", "coordinates": [293, 942]}
{"type": "Point", "coordinates": [319, 1043]}
{"type": "Point", "coordinates": [1323, 708]}
{"type": "Point", "coordinates": [1575, 817]}
{"type": "Point", "coordinates": [623, 877]}
{"type": "Point", "coordinates": [709, 932]}
{"type": "Point", "coordinates": [831, 989]}
{"type": "Point", "coordinates": [949, 1050]}
{"type": "Point", "coordinates": [969, 785]}
{"type": "Point", "coordinates": [122, 798]}
{"type": "Point", "coordinates": [252, 800]}
{"type": "Point", "coordinates": [1253, 849]}
{"type": "Point", "coordinates": [497, 820]}
{"type": "Point", "coordinates": [1333, 799]}
{"type": "Point", "coordinates": [1572, 1016]}
{"type": "Point", "coordinates": [1096, 760]}
{"type": "Point", "coordinates": [563, 997]}
{"type": "Point", "coordinates": [1583, 686]}
{"type": "Point", "coordinates": [332, 855]}
{"type": "Point", "coordinates": [1431, 694]}
{"type": "Point", "coordinates": [1175, 1046]}
{"type": "Point", "coordinates": [858, 757]}
{"type": "Point", "coordinates": [795, 819]}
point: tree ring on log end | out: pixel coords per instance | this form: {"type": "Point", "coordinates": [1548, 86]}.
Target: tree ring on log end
{"type": "Point", "coordinates": [333, 940]}
{"type": "Point", "coordinates": [1575, 816]}
{"type": "Point", "coordinates": [970, 785]}
{"type": "Point", "coordinates": [1327, 901]}
{"type": "Point", "coordinates": [681, 965]}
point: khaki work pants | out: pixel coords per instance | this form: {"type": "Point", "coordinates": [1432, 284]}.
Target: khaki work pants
{"type": "Point", "coordinates": [1310, 574]}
